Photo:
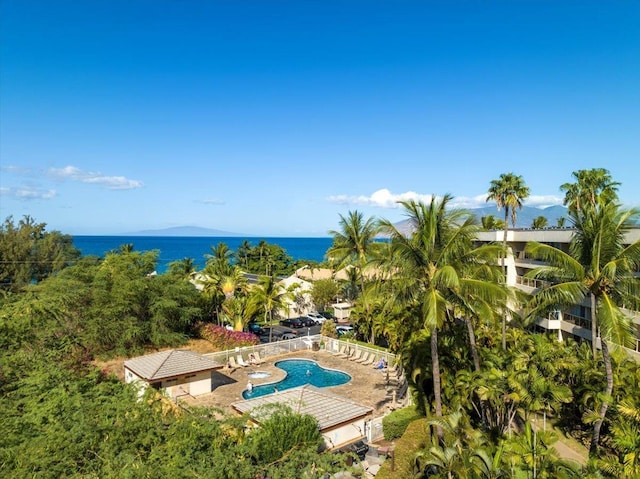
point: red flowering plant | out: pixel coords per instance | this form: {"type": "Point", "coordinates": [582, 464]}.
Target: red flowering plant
{"type": "Point", "coordinates": [223, 338]}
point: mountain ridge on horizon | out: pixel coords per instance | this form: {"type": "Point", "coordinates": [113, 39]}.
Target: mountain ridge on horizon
{"type": "Point", "coordinates": [525, 217]}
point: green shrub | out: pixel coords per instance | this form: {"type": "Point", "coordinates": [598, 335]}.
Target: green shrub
{"type": "Point", "coordinates": [416, 437]}
{"type": "Point", "coordinates": [329, 329]}
{"type": "Point", "coordinates": [396, 423]}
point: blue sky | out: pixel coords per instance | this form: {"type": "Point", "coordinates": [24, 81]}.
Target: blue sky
{"type": "Point", "coordinates": [273, 117]}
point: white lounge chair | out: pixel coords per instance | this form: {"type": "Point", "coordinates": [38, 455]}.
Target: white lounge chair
{"type": "Point", "coordinates": [372, 358]}
{"type": "Point", "coordinates": [241, 361]}
{"type": "Point", "coordinates": [256, 358]}
{"type": "Point", "coordinates": [232, 363]}
{"type": "Point", "coordinates": [364, 358]}
{"type": "Point", "coordinates": [342, 351]}
{"type": "Point", "coordinates": [346, 354]}
{"type": "Point", "coordinates": [356, 356]}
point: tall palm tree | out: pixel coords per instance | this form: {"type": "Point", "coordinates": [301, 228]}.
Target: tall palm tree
{"type": "Point", "coordinates": [270, 296]}
{"type": "Point", "coordinates": [427, 266]}
{"type": "Point", "coordinates": [600, 268]}
{"type": "Point", "coordinates": [223, 281]}
{"type": "Point", "coordinates": [219, 259]}
{"type": "Point", "coordinates": [509, 192]}
{"type": "Point", "coordinates": [592, 187]}
{"type": "Point", "coordinates": [242, 254]}
{"type": "Point", "coordinates": [355, 245]}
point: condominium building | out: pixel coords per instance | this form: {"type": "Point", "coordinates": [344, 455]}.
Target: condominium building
{"type": "Point", "coordinates": [574, 321]}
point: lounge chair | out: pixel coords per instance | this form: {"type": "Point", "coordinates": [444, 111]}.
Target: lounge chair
{"type": "Point", "coordinates": [364, 358]}
{"type": "Point", "coordinates": [258, 358]}
{"type": "Point", "coordinates": [356, 356]}
{"type": "Point", "coordinates": [232, 363]}
{"type": "Point", "coordinates": [346, 354]}
{"type": "Point", "coordinates": [342, 351]}
{"type": "Point", "coordinates": [369, 361]}
{"type": "Point", "coordinates": [241, 361]}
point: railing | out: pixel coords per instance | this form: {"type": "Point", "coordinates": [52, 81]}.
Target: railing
{"type": "Point", "coordinates": [532, 282]}
{"type": "Point", "coordinates": [301, 343]}
{"type": "Point", "coordinates": [275, 348]}
{"type": "Point", "coordinates": [577, 320]}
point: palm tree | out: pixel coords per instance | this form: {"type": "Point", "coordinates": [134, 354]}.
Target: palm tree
{"type": "Point", "coordinates": [426, 267]}
{"type": "Point", "coordinates": [600, 268]}
{"type": "Point", "coordinates": [462, 453]}
{"type": "Point", "coordinates": [592, 187]}
{"type": "Point", "coordinates": [539, 222]}
{"type": "Point", "coordinates": [270, 296]}
{"type": "Point", "coordinates": [222, 281]}
{"type": "Point", "coordinates": [509, 192]}
{"type": "Point", "coordinates": [355, 245]}
{"type": "Point", "coordinates": [182, 268]}
{"type": "Point", "coordinates": [242, 254]}
{"type": "Point", "coordinates": [490, 222]}
{"type": "Point", "coordinates": [532, 451]}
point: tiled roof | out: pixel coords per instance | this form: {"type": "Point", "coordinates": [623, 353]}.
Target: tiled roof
{"type": "Point", "coordinates": [168, 364]}
{"type": "Point", "coordinates": [328, 409]}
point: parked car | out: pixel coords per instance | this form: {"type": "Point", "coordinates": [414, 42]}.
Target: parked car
{"type": "Point", "coordinates": [292, 323]}
{"type": "Point", "coordinates": [290, 335]}
{"type": "Point", "coordinates": [255, 328]}
{"type": "Point", "coordinates": [317, 318]}
{"type": "Point", "coordinates": [307, 321]}
{"type": "Point", "coordinates": [343, 329]}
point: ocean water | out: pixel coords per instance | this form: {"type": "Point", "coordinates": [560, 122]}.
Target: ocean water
{"type": "Point", "coordinates": [174, 248]}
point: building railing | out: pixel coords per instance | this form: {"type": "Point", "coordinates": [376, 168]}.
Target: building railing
{"type": "Point", "coordinates": [577, 320]}
{"type": "Point", "coordinates": [532, 282]}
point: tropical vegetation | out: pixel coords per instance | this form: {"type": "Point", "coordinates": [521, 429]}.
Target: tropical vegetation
{"type": "Point", "coordinates": [491, 396]}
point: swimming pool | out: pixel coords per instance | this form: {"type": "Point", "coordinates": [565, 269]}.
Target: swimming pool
{"type": "Point", "coordinates": [300, 372]}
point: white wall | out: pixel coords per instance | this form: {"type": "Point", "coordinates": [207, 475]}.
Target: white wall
{"type": "Point", "coordinates": [344, 434]}
{"type": "Point", "coordinates": [193, 384]}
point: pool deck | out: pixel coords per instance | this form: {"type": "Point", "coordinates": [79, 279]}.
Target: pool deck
{"type": "Point", "coordinates": [368, 386]}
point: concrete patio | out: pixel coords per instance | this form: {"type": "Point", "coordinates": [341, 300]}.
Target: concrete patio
{"type": "Point", "coordinates": [368, 386]}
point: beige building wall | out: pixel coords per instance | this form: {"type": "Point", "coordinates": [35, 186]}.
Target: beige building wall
{"type": "Point", "coordinates": [345, 434]}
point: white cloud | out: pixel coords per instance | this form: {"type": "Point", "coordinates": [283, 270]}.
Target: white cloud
{"type": "Point", "coordinates": [543, 201]}
{"type": "Point", "coordinates": [28, 193]}
{"type": "Point", "coordinates": [109, 182]}
{"type": "Point", "coordinates": [384, 198]}
{"type": "Point", "coordinates": [212, 202]}
{"type": "Point", "coordinates": [468, 202]}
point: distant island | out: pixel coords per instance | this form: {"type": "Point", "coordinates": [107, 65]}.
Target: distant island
{"type": "Point", "coordinates": [525, 217]}
{"type": "Point", "coordinates": [184, 231]}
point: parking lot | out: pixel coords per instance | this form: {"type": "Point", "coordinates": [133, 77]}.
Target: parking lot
{"type": "Point", "coordinates": [279, 330]}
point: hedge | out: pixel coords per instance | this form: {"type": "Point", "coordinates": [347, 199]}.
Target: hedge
{"type": "Point", "coordinates": [395, 423]}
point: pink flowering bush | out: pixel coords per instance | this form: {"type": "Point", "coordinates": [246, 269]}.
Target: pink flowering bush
{"type": "Point", "coordinates": [223, 339]}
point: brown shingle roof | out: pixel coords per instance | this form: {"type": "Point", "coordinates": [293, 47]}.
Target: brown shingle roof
{"type": "Point", "coordinates": [168, 364]}
{"type": "Point", "coordinates": [329, 409]}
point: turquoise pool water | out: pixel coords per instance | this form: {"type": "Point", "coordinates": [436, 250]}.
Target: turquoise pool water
{"type": "Point", "coordinates": [300, 372]}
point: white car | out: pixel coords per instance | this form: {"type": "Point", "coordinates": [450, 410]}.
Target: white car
{"type": "Point", "coordinates": [344, 329]}
{"type": "Point", "coordinates": [317, 317]}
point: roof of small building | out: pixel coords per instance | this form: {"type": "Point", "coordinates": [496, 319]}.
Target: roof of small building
{"type": "Point", "coordinates": [168, 364]}
{"type": "Point", "coordinates": [329, 409]}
